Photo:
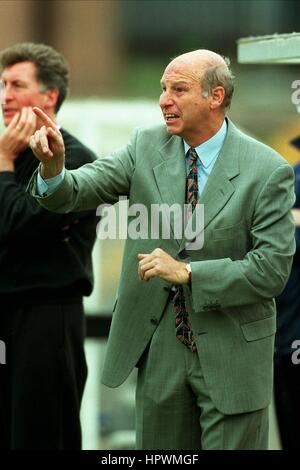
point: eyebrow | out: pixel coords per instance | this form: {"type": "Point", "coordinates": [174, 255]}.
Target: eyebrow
{"type": "Point", "coordinates": [175, 82]}
{"type": "Point", "coordinates": [15, 79]}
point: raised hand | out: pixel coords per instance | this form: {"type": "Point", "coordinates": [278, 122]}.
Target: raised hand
{"type": "Point", "coordinates": [48, 146]}
{"type": "Point", "coordinates": [15, 138]}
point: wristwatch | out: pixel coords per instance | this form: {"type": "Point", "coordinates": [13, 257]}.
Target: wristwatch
{"type": "Point", "coordinates": [189, 271]}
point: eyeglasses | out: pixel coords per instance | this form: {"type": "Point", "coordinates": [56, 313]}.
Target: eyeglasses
{"type": "Point", "coordinates": [2, 92]}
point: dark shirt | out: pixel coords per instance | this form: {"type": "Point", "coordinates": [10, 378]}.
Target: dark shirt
{"type": "Point", "coordinates": [38, 249]}
{"type": "Point", "coordinates": [288, 303]}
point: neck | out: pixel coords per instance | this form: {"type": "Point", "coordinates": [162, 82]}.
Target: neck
{"type": "Point", "coordinates": [206, 133]}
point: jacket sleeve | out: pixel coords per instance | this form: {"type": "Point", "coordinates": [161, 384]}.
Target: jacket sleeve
{"type": "Point", "coordinates": [102, 181]}
{"type": "Point", "coordinates": [264, 271]}
{"type": "Point", "coordinates": [22, 216]}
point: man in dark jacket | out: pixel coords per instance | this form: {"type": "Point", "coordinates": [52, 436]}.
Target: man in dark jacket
{"type": "Point", "coordinates": [42, 318]}
{"type": "Point", "coordinates": [287, 352]}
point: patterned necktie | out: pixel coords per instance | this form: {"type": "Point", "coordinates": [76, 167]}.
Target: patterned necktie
{"type": "Point", "coordinates": [183, 330]}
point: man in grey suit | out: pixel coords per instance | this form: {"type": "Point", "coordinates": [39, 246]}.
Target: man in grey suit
{"type": "Point", "coordinates": [198, 322]}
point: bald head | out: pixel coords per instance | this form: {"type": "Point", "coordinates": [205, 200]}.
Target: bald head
{"type": "Point", "coordinates": [199, 59]}
{"type": "Point", "coordinates": [208, 68]}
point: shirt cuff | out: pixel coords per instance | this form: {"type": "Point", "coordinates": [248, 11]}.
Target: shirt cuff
{"type": "Point", "coordinates": [45, 187]}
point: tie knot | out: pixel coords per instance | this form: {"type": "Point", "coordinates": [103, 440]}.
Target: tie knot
{"type": "Point", "coordinates": [193, 154]}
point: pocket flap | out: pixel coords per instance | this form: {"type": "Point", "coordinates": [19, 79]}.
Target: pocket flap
{"type": "Point", "coordinates": [231, 231]}
{"type": "Point", "coordinates": [259, 329]}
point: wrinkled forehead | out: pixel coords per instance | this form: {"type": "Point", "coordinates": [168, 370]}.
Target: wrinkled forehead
{"type": "Point", "coordinates": [183, 71]}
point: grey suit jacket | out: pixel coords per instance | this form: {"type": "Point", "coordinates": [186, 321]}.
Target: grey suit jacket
{"type": "Point", "coordinates": [245, 260]}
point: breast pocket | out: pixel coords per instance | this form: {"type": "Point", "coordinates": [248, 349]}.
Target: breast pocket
{"type": "Point", "coordinates": [232, 241]}
{"type": "Point", "coordinates": [228, 232]}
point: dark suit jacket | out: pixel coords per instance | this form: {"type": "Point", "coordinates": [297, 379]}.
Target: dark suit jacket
{"type": "Point", "coordinates": [28, 233]}
{"type": "Point", "coordinates": [288, 303]}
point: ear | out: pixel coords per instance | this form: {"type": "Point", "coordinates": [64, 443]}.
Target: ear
{"type": "Point", "coordinates": [217, 97]}
{"type": "Point", "coordinates": [51, 97]}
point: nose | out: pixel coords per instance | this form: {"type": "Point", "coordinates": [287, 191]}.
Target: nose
{"type": "Point", "coordinates": [165, 99]}
{"type": "Point", "coordinates": [8, 92]}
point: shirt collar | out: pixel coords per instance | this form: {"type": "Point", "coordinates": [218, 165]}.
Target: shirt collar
{"type": "Point", "coordinates": [211, 147]}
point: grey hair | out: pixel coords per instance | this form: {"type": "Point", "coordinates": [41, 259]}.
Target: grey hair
{"type": "Point", "coordinates": [219, 75]}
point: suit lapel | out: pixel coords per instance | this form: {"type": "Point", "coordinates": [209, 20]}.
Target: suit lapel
{"type": "Point", "coordinates": [170, 175]}
{"type": "Point", "coordinates": [219, 188]}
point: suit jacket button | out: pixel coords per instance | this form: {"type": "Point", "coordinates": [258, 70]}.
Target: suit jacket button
{"type": "Point", "coordinates": [183, 255]}
{"type": "Point", "coordinates": [166, 288]}
{"type": "Point", "coordinates": [154, 321]}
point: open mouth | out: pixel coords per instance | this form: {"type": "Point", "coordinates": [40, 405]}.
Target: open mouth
{"type": "Point", "coordinates": [169, 117]}
{"type": "Point", "coordinates": [8, 112]}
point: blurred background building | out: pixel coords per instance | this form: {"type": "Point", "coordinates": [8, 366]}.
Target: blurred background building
{"type": "Point", "coordinates": [117, 50]}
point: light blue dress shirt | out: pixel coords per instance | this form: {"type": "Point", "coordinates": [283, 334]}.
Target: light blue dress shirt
{"type": "Point", "coordinates": [208, 153]}
{"type": "Point", "coordinates": [49, 185]}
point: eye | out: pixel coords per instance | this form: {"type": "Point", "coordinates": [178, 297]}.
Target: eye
{"type": "Point", "coordinates": [18, 84]}
{"type": "Point", "coordinates": [180, 89]}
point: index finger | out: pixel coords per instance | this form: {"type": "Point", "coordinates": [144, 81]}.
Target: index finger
{"type": "Point", "coordinates": [141, 256]}
{"type": "Point", "coordinates": [46, 120]}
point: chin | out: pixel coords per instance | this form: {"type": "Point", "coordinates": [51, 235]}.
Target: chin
{"type": "Point", "coordinates": [173, 131]}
